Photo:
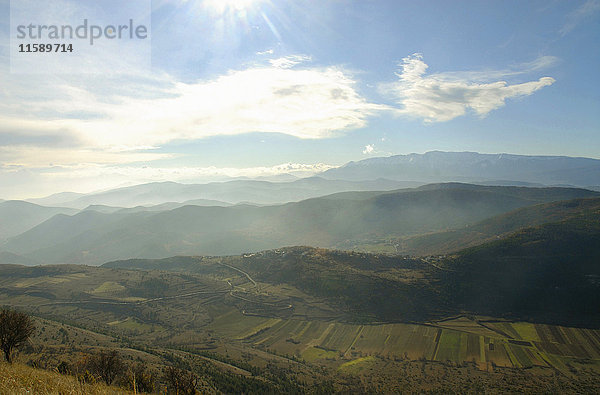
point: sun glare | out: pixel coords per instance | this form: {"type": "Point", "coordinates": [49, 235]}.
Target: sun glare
{"type": "Point", "coordinates": [222, 6]}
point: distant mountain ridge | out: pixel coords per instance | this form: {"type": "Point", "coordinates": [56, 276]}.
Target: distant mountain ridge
{"type": "Point", "coordinates": [219, 193]}
{"type": "Point", "coordinates": [94, 237]}
{"type": "Point", "coordinates": [373, 174]}
{"type": "Point", "coordinates": [17, 216]}
{"type": "Point", "coordinates": [473, 167]}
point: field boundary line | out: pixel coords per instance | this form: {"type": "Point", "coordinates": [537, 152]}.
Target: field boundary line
{"type": "Point", "coordinates": [359, 332]}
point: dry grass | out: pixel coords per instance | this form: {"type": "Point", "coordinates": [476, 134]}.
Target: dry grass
{"type": "Point", "coordinates": [22, 379]}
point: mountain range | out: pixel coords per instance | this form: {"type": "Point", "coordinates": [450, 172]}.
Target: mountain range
{"type": "Point", "coordinates": [473, 167]}
{"type": "Point", "coordinates": [377, 204]}
{"type": "Point", "coordinates": [95, 237]}
{"type": "Point", "coordinates": [373, 174]}
{"type": "Point", "coordinates": [218, 193]}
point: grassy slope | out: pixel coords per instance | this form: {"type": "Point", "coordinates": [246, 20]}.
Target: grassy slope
{"type": "Point", "coordinates": [22, 379]}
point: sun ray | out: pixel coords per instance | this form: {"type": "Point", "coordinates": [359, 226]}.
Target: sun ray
{"type": "Point", "coordinates": [223, 6]}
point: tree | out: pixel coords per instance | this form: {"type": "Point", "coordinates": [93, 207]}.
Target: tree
{"type": "Point", "coordinates": [180, 381]}
{"type": "Point", "coordinates": [107, 365]}
{"type": "Point", "coordinates": [139, 379]}
{"type": "Point", "coordinates": [15, 329]}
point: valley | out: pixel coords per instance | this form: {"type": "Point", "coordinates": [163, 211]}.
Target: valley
{"type": "Point", "coordinates": [438, 287]}
{"type": "Point", "coordinates": [320, 315]}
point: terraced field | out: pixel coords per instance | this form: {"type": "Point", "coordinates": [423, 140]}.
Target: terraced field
{"type": "Point", "coordinates": [461, 340]}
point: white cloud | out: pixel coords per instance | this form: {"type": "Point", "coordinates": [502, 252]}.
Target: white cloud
{"type": "Point", "coordinates": [542, 62]}
{"type": "Point", "coordinates": [369, 149]}
{"type": "Point", "coordinates": [308, 103]}
{"type": "Point", "coordinates": [289, 61]}
{"type": "Point", "coordinates": [580, 14]}
{"type": "Point", "coordinates": [445, 96]}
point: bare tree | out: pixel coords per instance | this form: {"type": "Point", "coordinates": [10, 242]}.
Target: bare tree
{"type": "Point", "coordinates": [138, 378]}
{"type": "Point", "coordinates": [180, 381]}
{"type": "Point", "coordinates": [107, 365]}
{"type": "Point", "coordinates": [15, 329]}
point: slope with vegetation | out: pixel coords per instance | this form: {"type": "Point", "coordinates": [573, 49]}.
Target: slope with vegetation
{"type": "Point", "coordinates": [22, 379]}
{"type": "Point", "coordinates": [548, 273]}
{"type": "Point", "coordinates": [496, 227]}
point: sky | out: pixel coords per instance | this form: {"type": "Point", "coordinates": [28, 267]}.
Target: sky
{"type": "Point", "coordinates": [258, 88]}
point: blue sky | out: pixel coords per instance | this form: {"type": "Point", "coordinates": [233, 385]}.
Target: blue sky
{"type": "Point", "coordinates": [262, 87]}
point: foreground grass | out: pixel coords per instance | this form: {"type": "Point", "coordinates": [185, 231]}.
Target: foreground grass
{"type": "Point", "coordinates": [22, 379]}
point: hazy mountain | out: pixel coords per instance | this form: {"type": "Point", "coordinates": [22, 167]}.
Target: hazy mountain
{"type": "Point", "coordinates": [173, 205]}
{"type": "Point", "coordinates": [159, 207]}
{"type": "Point", "coordinates": [439, 166]}
{"type": "Point", "coordinates": [93, 237]}
{"type": "Point", "coordinates": [17, 216]}
{"type": "Point", "coordinates": [102, 208]}
{"type": "Point", "coordinates": [285, 177]}
{"type": "Point", "coordinates": [498, 226]}
{"type": "Point", "coordinates": [227, 193]}
{"type": "Point", "coordinates": [56, 199]}
{"type": "Point", "coordinates": [8, 258]}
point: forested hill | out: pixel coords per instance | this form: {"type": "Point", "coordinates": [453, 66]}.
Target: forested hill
{"type": "Point", "coordinates": [548, 273]}
{"type": "Point", "coordinates": [498, 226]}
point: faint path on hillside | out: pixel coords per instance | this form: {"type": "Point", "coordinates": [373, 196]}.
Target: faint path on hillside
{"type": "Point", "coordinates": [436, 266]}
{"type": "Point", "coordinates": [241, 271]}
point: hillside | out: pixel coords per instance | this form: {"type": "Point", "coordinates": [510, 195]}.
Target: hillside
{"type": "Point", "coordinates": [548, 273]}
{"type": "Point", "coordinates": [496, 227]}
{"type": "Point", "coordinates": [22, 379]}
{"type": "Point", "coordinates": [437, 166]}
{"type": "Point", "coordinates": [364, 287]}
{"type": "Point", "coordinates": [93, 237]}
